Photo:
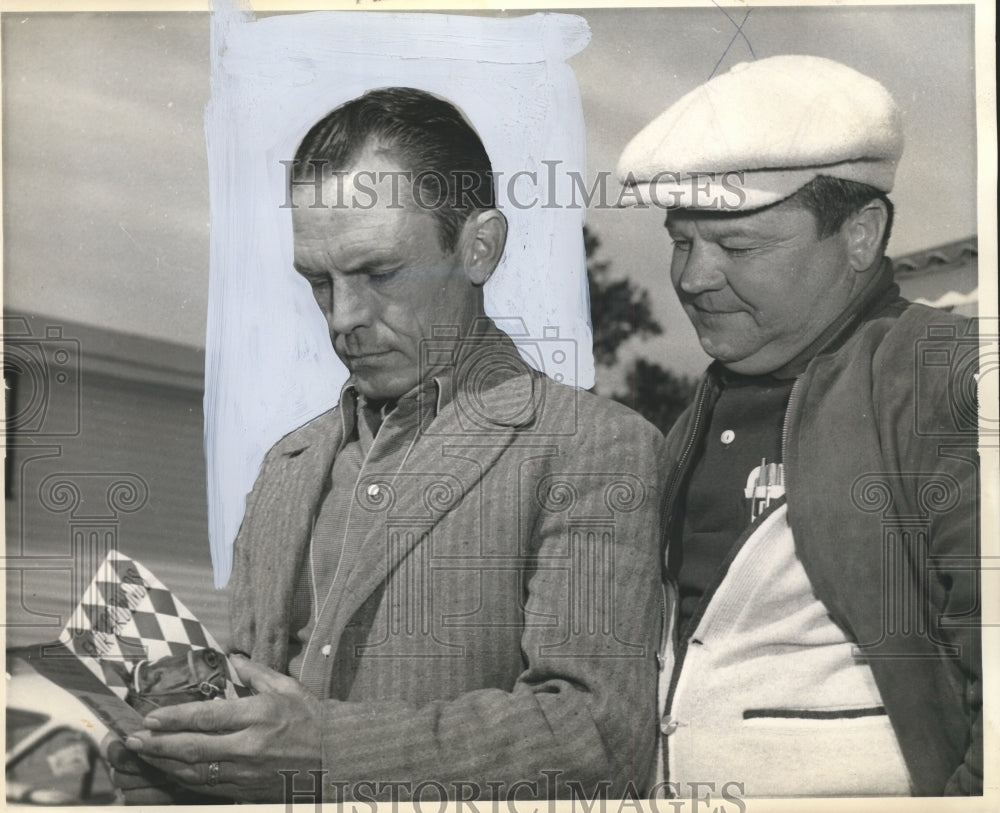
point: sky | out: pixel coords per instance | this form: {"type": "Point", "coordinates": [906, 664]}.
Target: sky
{"type": "Point", "coordinates": [105, 190]}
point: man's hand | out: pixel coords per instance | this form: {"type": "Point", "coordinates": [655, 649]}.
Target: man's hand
{"type": "Point", "coordinates": [140, 783]}
{"type": "Point", "coordinates": [235, 748]}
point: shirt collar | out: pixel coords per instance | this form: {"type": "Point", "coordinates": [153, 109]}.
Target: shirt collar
{"type": "Point", "coordinates": [433, 396]}
{"type": "Point", "coordinates": [427, 395]}
{"type": "Point", "coordinates": [438, 391]}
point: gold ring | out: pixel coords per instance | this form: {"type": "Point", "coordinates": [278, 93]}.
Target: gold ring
{"type": "Point", "coordinates": [213, 774]}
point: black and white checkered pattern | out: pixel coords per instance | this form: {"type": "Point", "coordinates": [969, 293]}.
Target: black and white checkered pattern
{"type": "Point", "coordinates": [127, 615]}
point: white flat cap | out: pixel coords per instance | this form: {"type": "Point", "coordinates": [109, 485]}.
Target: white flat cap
{"type": "Point", "coordinates": [755, 135]}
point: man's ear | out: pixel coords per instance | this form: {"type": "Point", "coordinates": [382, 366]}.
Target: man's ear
{"type": "Point", "coordinates": [864, 231]}
{"type": "Point", "coordinates": [482, 241]}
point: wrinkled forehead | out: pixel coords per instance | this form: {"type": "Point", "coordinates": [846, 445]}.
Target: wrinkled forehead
{"type": "Point", "coordinates": [350, 230]}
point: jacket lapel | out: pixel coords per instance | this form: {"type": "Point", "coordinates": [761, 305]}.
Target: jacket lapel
{"type": "Point", "coordinates": [436, 478]}
{"type": "Point", "coordinates": [283, 523]}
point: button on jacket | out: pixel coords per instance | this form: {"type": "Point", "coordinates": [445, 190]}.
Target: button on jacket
{"type": "Point", "coordinates": [500, 619]}
{"type": "Point", "coordinates": [881, 478]}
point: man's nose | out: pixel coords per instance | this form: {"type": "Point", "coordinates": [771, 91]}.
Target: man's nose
{"type": "Point", "coordinates": [349, 307]}
{"type": "Point", "coordinates": [701, 270]}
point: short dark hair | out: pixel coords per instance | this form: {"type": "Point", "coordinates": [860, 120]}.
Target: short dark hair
{"type": "Point", "coordinates": [435, 143]}
{"type": "Point", "coordinates": [833, 200]}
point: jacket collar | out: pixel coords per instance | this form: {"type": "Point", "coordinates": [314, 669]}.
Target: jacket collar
{"type": "Point", "coordinates": [483, 382]}
{"type": "Point", "coordinates": [488, 394]}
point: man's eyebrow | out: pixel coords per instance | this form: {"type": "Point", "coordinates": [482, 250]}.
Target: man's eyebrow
{"type": "Point", "coordinates": [740, 230]}
{"type": "Point", "coordinates": [372, 263]}
{"type": "Point", "coordinates": [361, 267]}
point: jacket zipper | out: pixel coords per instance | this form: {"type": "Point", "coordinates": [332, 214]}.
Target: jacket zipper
{"type": "Point", "coordinates": [665, 636]}
{"type": "Point", "coordinates": [786, 424]}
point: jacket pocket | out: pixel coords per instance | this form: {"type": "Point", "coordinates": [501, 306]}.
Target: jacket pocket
{"type": "Point", "coordinates": [814, 714]}
{"type": "Point", "coordinates": [845, 751]}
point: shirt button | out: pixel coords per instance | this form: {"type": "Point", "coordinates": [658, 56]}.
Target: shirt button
{"type": "Point", "coordinates": [668, 725]}
{"type": "Point", "coordinates": [373, 490]}
{"type": "Point", "coordinates": [728, 436]}
{"type": "Point", "coordinates": [325, 649]}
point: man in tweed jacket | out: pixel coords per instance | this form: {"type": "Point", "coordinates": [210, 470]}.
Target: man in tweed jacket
{"type": "Point", "coordinates": [448, 585]}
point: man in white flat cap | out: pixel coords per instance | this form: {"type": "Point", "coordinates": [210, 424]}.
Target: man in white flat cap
{"type": "Point", "coordinates": [822, 491]}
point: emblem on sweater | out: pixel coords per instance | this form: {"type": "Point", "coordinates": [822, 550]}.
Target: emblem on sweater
{"type": "Point", "coordinates": [765, 483]}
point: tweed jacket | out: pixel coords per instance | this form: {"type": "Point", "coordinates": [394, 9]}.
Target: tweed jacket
{"type": "Point", "coordinates": [501, 619]}
{"type": "Point", "coordinates": [881, 476]}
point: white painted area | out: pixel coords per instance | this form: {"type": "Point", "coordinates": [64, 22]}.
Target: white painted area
{"type": "Point", "coordinates": [269, 363]}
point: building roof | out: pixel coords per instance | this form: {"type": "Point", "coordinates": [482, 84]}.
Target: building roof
{"type": "Point", "coordinates": [938, 258]}
{"type": "Point", "coordinates": [944, 276]}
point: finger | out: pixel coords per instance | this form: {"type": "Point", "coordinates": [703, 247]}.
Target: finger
{"type": "Point", "coordinates": [186, 747]}
{"type": "Point", "coordinates": [210, 774]}
{"type": "Point", "coordinates": [208, 716]}
{"type": "Point", "coordinates": [178, 748]}
{"type": "Point", "coordinates": [130, 770]}
{"type": "Point", "coordinates": [152, 796]}
{"type": "Point", "coordinates": [108, 742]}
{"type": "Point", "coordinates": [167, 782]}
{"type": "Point", "coordinates": [262, 679]}
{"type": "Point", "coordinates": [226, 779]}
{"type": "Point", "coordinates": [169, 768]}
{"type": "Point", "coordinates": [133, 781]}
{"type": "Point", "coordinates": [168, 794]}
{"type": "Point", "coordinates": [240, 780]}
{"type": "Point", "coordinates": [121, 759]}
{"type": "Point", "coordinates": [230, 780]}
{"type": "Point", "coordinates": [223, 790]}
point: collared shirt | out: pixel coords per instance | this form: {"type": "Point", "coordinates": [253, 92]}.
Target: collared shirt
{"type": "Point", "coordinates": [738, 476]}
{"type": "Point", "coordinates": [378, 442]}
{"type": "Point", "coordinates": [738, 471]}
{"type": "Point", "coordinates": [375, 439]}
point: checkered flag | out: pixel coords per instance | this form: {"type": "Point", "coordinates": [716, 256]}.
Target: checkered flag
{"type": "Point", "coordinates": [127, 615]}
